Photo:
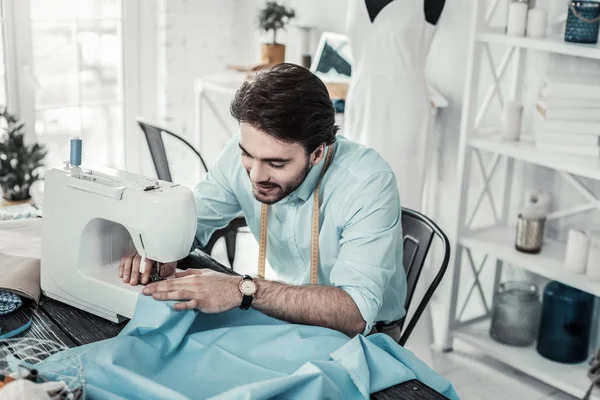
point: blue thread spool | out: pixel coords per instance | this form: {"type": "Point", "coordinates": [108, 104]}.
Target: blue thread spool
{"type": "Point", "coordinates": [75, 158]}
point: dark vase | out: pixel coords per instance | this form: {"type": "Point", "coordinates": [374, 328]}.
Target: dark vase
{"type": "Point", "coordinates": [565, 325]}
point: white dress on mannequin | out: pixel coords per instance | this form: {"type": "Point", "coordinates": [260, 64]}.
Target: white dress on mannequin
{"type": "Point", "coordinates": [387, 106]}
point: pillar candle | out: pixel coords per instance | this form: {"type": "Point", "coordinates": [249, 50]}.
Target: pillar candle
{"type": "Point", "coordinates": [577, 252]}
{"type": "Point", "coordinates": [537, 21]}
{"type": "Point", "coordinates": [511, 120]}
{"type": "Point", "coordinates": [593, 259]}
{"type": "Point", "coordinates": [517, 18]}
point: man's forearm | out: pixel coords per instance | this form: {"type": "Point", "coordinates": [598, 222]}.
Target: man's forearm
{"type": "Point", "coordinates": [325, 306]}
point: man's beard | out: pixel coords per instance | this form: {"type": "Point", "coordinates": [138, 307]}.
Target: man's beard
{"type": "Point", "coordinates": [280, 192]}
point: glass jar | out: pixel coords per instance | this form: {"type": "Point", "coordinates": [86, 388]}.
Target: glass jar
{"type": "Point", "coordinates": [565, 324]}
{"type": "Point", "coordinates": [516, 313]}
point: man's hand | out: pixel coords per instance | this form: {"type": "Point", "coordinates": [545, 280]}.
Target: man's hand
{"type": "Point", "coordinates": [204, 289]}
{"type": "Point", "coordinates": [129, 269]}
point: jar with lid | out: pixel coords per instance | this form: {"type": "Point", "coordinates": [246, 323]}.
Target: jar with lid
{"type": "Point", "coordinates": [516, 313]}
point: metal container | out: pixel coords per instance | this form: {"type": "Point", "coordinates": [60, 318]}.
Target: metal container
{"type": "Point", "coordinates": [530, 234]}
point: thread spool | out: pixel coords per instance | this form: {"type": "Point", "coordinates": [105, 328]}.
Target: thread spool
{"type": "Point", "coordinates": [537, 22]}
{"type": "Point", "coordinates": [576, 255]}
{"type": "Point", "coordinates": [75, 156]}
{"type": "Point", "coordinates": [512, 115]}
{"type": "Point", "coordinates": [517, 18]}
{"type": "Point", "coordinates": [593, 259]}
{"type": "Point", "coordinates": [33, 375]}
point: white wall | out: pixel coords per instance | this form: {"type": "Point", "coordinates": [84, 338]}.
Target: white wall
{"type": "Point", "coordinates": [201, 37]}
{"type": "Point", "coordinates": [183, 30]}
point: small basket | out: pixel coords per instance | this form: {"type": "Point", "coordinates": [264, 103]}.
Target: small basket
{"type": "Point", "coordinates": [19, 356]}
{"type": "Point", "coordinates": [583, 22]}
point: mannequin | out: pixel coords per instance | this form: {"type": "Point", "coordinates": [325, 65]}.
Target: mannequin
{"type": "Point", "coordinates": [433, 10]}
{"type": "Point", "coordinates": [387, 105]}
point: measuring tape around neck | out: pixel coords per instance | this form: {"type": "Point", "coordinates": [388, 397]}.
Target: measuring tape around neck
{"type": "Point", "coordinates": [314, 234]}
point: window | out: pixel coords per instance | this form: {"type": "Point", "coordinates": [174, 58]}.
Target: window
{"type": "Point", "coordinates": [71, 76]}
{"type": "Point", "coordinates": [3, 94]}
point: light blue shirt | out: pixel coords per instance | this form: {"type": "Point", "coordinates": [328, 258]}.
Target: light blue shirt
{"type": "Point", "coordinates": [360, 239]}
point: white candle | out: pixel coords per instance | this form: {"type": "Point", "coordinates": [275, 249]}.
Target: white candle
{"type": "Point", "coordinates": [517, 18]}
{"type": "Point", "coordinates": [503, 13]}
{"type": "Point", "coordinates": [577, 252]}
{"type": "Point", "coordinates": [511, 120]}
{"type": "Point", "coordinates": [537, 21]}
{"type": "Point", "coordinates": [593, 259]}
{"type": "Point", "coordinates": [304, 32]}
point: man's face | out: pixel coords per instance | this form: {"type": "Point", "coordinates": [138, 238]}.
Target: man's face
{"type": "Point", "coordinates": [275, 168]}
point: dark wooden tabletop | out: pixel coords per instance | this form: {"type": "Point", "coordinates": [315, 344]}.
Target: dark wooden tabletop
{"type": "Point", "coordinates": [59, 322]}
{"type": "Point", "coordinates": [72, 327]}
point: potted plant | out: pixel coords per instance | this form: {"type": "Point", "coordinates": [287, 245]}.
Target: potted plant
{"type": "Point", "coordinates": [274, 17]}
{"type": "Point", "coordinates": [19, 162]}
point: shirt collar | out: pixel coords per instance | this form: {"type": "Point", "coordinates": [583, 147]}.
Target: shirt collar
{"type": "Point", "coordinates": [307, 187]}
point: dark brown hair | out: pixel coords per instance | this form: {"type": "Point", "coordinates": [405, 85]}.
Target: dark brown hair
{"type": "Point", "coordinates": [289, 103]}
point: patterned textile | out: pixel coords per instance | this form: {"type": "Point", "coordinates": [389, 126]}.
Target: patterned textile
{"type": "Point", "coordinates": [9, 302]}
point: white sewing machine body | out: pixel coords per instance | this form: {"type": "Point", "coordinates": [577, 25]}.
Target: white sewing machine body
{"type": "Point", "coordinates": [91, 218]}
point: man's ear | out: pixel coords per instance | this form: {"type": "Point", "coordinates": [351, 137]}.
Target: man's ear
{"type": "Point", "coordinates": [317, 155]}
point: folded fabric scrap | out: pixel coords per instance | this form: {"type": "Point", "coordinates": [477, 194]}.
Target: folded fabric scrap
{"type": "Point", "coordinates": [168, 354]}
{"type": "Point", "coordinates": [9, 302]}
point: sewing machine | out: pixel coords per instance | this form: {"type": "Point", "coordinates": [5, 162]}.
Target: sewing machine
{"type": "Point", "coordinates": [91, 218]}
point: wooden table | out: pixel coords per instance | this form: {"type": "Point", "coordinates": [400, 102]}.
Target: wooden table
{"type": "Point", "coordinates": [6, 203]}
{"type": "Point", "coordinates": [72, 327]}
{"type": "Point", "coordinates": [59, 322]}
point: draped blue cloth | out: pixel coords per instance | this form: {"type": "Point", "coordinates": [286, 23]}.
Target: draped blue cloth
{"type": "Point", "coordinates": [168, 354]}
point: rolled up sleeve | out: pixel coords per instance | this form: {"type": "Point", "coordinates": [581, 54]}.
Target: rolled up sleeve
{"type": "Point", "coordinates": [367, 258]}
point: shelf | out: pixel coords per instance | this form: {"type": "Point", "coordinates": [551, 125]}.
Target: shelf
{"type": "Point", "coordinates": [552, 44]}
{"type": "Point", "coordinates": [499, 243]}
{"type": "Point", "coordinates": [586, 166]}
{"type": "Point", "coordinates": [570, 378]}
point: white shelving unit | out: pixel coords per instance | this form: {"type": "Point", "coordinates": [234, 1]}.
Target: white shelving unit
{"type": "Point", "coordinates": [497, 241]}
{"type": "Point", "coordinates": [552, 44]}
{"type": "Point", "coordinates": [568, 378]}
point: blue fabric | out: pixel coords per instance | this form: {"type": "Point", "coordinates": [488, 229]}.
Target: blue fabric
{"type": "Point", "coordinates": [9, 302]}
{"type": "Point", "coordinates": [360, 242]}
{"type": "Point", "coordinates": [15, 332]}
{"type": "Point", "coordinates": [167, 354]}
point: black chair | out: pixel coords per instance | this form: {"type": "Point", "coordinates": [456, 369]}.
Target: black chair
{"type": "Point", "coordinates": [156, 145]}
{"type": "Point", "coordinates": [419, 232]}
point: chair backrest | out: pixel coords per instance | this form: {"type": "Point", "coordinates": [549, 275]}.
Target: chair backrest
{"type": "Point", "coordinates": [419, 232]}
{"type": "Point", "coordinates": [156, 145]}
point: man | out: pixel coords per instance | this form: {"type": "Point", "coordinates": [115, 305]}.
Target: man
{"type": "Point", "coordinates": [287, 140]}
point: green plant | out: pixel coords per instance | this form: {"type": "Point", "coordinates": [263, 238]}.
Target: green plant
{"type": "Point", "coordinates": [19, 162]}
{"type": "Point", "coordinates": [275, 16]}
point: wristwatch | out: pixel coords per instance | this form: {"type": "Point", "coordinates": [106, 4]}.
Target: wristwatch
{"type": "Point", "coordinates": [248, 288]}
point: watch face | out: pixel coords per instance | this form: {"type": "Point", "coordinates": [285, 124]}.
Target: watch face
{"type": "Point", "coordinates": [248, 287]}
